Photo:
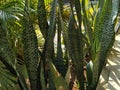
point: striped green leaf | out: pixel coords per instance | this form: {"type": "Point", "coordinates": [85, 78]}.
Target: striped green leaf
{"type": "Point", "coordinates": [86, 23]}
{"type": "Point", "coordinates": [49, 47]}
{"type": "Point", "coordinates": [76, 46]}
{"type": "Point", "coordinates": [89, 68]}
{"type": "Point", "coordinates": [104, 37]}
{"type": "Point", "coordinates": [51, 31]}
{"type": "Point", "coordinates": [31, 52]}
{"type": "Point", "coordinates": [42, 19]}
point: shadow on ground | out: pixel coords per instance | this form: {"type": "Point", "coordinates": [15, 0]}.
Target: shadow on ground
{"type": "Point", "coordinates": [110, 77]}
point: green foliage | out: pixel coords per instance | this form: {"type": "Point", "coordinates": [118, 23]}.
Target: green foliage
{"type": "Point", "coordinates": [42, 18]}
{"type": "Point", "coordinates": [7, 79]}
{"type": "Point", "coordinates": [104, 37]}
{"type": "Point", "coordinates": [89, 70]}
{"type": "Point", "coordinates": [75, 45]}
{"type": "Point", "coordinates": [58, 80]}
{"type": "Point", "coordinates": [30, 50]}
{"type": "Point", "coordinates": [84, 34]}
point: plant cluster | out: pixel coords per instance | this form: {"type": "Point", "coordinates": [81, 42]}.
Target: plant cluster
{"type": "Point", "coordinates": [53, 45]}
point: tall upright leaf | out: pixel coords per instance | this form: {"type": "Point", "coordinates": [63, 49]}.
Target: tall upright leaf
{"type": "Point", "coordinates": [49, 45]}
{"type": "Point", "coordinates": [87, 25]}
{"type": "Point", "coordinates": [42, 19]}
{"type": "Point", "coordinates": [51, 30]}
{"type": "Point", "coordinates": [30, 49]}
{"type": "Point", "coordinates": [75, 44]}
{"type": "Point", "coordinates": [119, 7]}
{"type": "Point", "coordinates": [59, 58]}
{"type": "Point", "coordinates": [79, 45]}
{"type": "Point", "coordinates": [104, 41]}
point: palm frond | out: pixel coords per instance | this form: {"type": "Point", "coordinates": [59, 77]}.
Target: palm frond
{"type": "Point", "coordinates": [10, 11]}
{"type": "Point", "coordinates": [7, 79]}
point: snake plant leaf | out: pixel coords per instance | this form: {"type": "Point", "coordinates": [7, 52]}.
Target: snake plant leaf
{"type": "Point", "coordinates": [89, 70]}
{"type": "Point", "coordinates": [42, 18]}
{"type": "Point", "coordinates": [64, 33]}
{"type": "Point", "coordinates": [59, 58]}
{"type": "Point", "coordinates": [78, 12]}
{"type": "Point", "coordinates": [76, 46]}
{"type": "Point", "coordinates": [108, 33]}
{"type": "Point", "coordinates": [42, 76]}
{"type": "Point", "coordinates": [97, 31]}
{"type": "Point", "coordinates": [59, 62]}
{"type": "Point", "coordinates": [73, 35]}
{"type": "Point", "coordinates": [31, 52]}
{"type": "Point", "coordinates": [115, 9]}
{"type": "Point", "coordinates": [61, 2]}
{"type": "Point", "coordinates": [51, 31]}
{"type": "Point", "coordinates": [59, 82]}
{"type": "Point", "coordinates": [87, 25]}
{"type": "Point", "coordinates": [52, 85]}
{"type": "Point", "coordinates": [49, 45]}
{"type": "Point", "coordinates": [104, 41]}
{"type": "Point", "coordinates": [119, 7]}
{"type": "Point", "coordinates": [104, 21]}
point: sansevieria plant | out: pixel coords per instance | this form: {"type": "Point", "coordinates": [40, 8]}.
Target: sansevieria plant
{"type": "Point", "coordinates": [78, 37]}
